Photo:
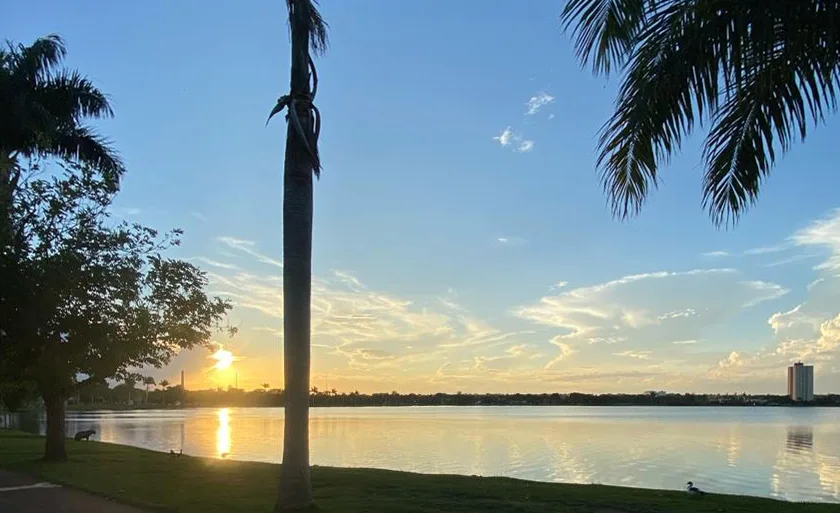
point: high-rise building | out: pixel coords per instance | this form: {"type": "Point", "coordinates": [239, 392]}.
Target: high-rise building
{"type": "Point", "coordinates": [801, 382]}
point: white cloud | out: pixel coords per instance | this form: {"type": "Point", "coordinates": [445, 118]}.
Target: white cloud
{"type": "Point", "coordinates": [247, 247]}
{"type": "Point", "coordinates": [765, 291]}
{"type": "Point", "coordinates": [716, 254]}
{"type": "Point", "coordinates": [766, 250]}
{"type": "Point", "coordinates": [551, 116]}
{"type": "Point", "coordinates": [648, 310]}
{"type": "Point", "coordinates": [506, 137]}
{"type": "Point", "coordinates": [126, 211]}
{"type": "Point", "coordinates": [685, 312]}
{"type": "Point", "coordinates": [511, 241]}
{"type": "Point", "coordinates": [538, 101]}
{"type": "Point", "coordinates": [684, 342]}
{"type": "Point", "coordinates": [510, 138]}
{"type": "Point", "coordinates": [639, 355]}
{"type": "Point", "coordinates": [824, 233]}
{"type": "Point", "coordinates": [525, 146]}
{"type": "Point", "coordinates": [216, 263]}
{"type": "Point", "coordinates": [564, 349]}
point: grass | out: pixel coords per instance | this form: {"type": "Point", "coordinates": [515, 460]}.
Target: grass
{"type": "Point", "coordinates": [160, 482]}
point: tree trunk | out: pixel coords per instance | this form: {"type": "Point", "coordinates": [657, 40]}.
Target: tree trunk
{"type": "Point", "coordinates": [295, 482]}
{"type": "Point", "coordinates": [55, 449]}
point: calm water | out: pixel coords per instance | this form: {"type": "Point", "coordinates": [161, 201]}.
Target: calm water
{"type": "Point", "coordinates": [790, 453]}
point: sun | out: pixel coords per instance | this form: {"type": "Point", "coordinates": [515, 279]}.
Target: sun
{"type": "Point", "coordinates": [224, 359]}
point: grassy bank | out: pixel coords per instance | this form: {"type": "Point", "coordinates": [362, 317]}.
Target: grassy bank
{"type": "Point", "coordinates": [204, 485]}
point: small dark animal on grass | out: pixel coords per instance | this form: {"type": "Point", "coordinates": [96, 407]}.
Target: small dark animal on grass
{"type": "Point", "coordinates": [84, 435]}
{"type": "Point", "coordinates": [173, 453]}
{"type": "Point", "coordinates": [693, 490]}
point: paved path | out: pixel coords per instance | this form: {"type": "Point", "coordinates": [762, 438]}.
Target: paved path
{"type": "Point", "coordinates": [24, 494]}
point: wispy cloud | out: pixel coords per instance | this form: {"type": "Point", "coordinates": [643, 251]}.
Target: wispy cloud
{"type": "Point", "coordinates": [511, 240]}
{"type": "Point", "coordinates": [525, 145]}
{"type": "Point", "coordinates": [824, 233]}
{"type": "Point", "coordinates": [766, 250]}
{"type": "Point", "coordinates": [247, 247]}
{"type": "Point", "coordinates": [126, 211]}
{"type": "Point", "coordinates": [716, 254]}
{"type": "Point", "coordinates": [216, 263]}
{"type": "Point", "coordinates": [510, 138]}
{"type": "Point", "coordinates": [684, 342]}
{"type": "Point", "coordinates": [199, 216]}
{"type": "Point", "coordinates": [639, 355]}
{"type": "Point", "coordinates": [506, 137]}
{"type": "Point", "coordinates": [538, 101]}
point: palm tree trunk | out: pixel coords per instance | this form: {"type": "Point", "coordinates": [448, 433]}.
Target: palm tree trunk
{"type": "Point", "coordinates": [55, 449]}
{"type": "Point", "coordinates": [295, 483]}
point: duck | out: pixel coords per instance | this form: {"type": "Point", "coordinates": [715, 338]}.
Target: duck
{"type": "Point", "coordinates": [693, 489]}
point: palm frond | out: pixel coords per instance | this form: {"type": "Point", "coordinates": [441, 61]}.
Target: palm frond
{"type": "Point", "coordinates": [671, 81]}
{"type": "Point", "coordinates": [39, 58]}
{"type": "Point", "coordinates": [605, 31]}
{"type": "Point", "coordinates": [69, 95]}
{"type": "Point", "coordinates": [82, 144]}
{"type": "Point", "coordinates": [318, 27]}
{"type": "Point", "coordinates": [760, 70]}
{"type": "Point", "coordinates": [791, 78]}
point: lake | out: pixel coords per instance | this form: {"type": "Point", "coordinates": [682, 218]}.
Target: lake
{"type": "Point", "coordinates": [787, 453]}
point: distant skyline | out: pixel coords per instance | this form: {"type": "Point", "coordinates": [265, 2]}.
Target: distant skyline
{"type": "Point", "coordinates": [462, 241]}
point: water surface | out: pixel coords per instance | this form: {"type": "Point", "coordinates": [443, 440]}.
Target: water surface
{"type": "Point", "coordinates": [789, 453]}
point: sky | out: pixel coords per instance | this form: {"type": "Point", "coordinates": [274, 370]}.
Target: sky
{"type": "Point", "coordinates": [461, 239]}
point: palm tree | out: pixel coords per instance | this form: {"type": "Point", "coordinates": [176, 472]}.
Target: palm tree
{"type": "Point", "coordinates": [308, 31]}
{"type": "Point", "coordinates": [265, 386]}
{"type": "Point", "coordinates": [43, 108]}
{"type": "Point", "coordinates": [148, 381]}
{"type": "Point", "coordinates": [164, 384]}
{"type": "Point", "coordinates": [759, 72]}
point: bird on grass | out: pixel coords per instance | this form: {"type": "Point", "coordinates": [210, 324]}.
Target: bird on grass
{"type": "Point", "coordinates": [693, 490]}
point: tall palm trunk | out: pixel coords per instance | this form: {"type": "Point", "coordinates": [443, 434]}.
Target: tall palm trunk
{"type": "Point", "coordinates": [295, 483]}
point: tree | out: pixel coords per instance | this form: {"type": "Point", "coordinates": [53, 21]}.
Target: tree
{"type": "Point", "coordinates": [43, 108]}
{"type": "Point", "coordinates": [164, 384]}
{"type": "Point", "coordinates": [308, 30]}
{"type": "Point", "coordinates": [265, 386]}
{"type": "Point", "coordinates": [85, 300]}
{"type": "Point", "coordinates": [759, 72]}
{"type": "Point", "coordinates": [148, 381]}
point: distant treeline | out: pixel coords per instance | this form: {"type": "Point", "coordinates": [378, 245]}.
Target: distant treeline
{"type": "Point", "coordinates": [123, 396]}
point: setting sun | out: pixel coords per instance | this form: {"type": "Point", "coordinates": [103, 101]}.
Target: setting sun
{"type": "Point", "coordinates": [224, 359]}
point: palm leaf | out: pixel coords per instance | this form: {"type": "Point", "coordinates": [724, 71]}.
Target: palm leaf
{"type": "Point", "coordinates": [760, 70]}
{"type": "Point", "coordinates": [82, 144]}
{"type": "Point", "coordinates": [318, 27]}
{"type": "Point", "coordinates": [38, 59]}
{"type": "Point", "coordinates": [605, 31]}
{"type": "Point", "coordinates": [790, 81]}
{"type": "Point", "coordinates": [69, 95]}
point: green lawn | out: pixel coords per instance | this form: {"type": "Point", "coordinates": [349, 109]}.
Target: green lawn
{"type": "Point", "coordinates": [204, 485]}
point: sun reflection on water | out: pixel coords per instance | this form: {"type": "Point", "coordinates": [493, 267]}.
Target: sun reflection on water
{"type": "Point", "coordinates": [223, 433]}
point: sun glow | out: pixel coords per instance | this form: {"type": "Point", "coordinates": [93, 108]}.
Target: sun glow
{"type": "Point", "coordinates": [224, 359]}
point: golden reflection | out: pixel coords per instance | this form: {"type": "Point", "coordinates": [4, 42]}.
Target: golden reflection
{"type": "Point", "coordinates": [223, 434]}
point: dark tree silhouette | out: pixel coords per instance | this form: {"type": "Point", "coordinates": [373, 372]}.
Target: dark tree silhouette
{"type": "Point", "coordinates": [759, 72]}
{"type": "Point", "coordinates": [43, 108]}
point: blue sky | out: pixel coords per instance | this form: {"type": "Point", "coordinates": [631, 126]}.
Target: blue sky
{"type": "Point", "coordinates": [438, 248]}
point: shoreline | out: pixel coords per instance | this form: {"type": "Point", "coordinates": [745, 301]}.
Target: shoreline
{"type": "Point", "coordinates": [160, 482]}
{"type": "Point", "coordinates": [117, 407]}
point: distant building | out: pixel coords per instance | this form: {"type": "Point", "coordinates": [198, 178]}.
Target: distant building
{"type": "Point", "coordinates": [801, 382]}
